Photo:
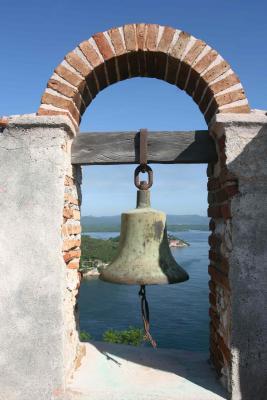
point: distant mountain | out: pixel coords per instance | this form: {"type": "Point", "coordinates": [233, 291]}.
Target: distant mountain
{"type": "Point", "coordinates": [187, 220]}
{"type": "Point", "coordinates": [112, 223]}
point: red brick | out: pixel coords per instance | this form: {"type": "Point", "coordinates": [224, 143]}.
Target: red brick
{"type": "Point", "coordinates": [45, 111]}
{"type": "Point", "coordinates": [140, 36]}
{"type": "Point", "coordinates": [90, 53]}
{"type": "Point", "coordinates": [103, 46]}
{"type": "Point", "coordinates": [224, 83]}
{"type": "Point", "coordinates": [212, 225]}
{"type": "Point", "coordinates": [163, 47]}
{"type": "Point", "coordinates": [151, 44]}
{"type": "Point", "coordinates": [230, 97]}
{"type": "Point", "coordinates": [238, 109]}
{"type": "Point", "coordinates": [91, 82]}
{"type": "Point", "coordinates": [77, 63]}
{"type": "Point", "coordinates": [194, 52]}
{"type": "Point", "coordinates": [151, 37]}
{"type": "Point", "coordinates": [212, 286]}
{"type": "Point", "coordinates": [223, 347]}
{"type": "Point", "coordinates": [131, 46]}
{"type": "Point", "coordinates": [179, 47]}
{"type": "Point", "coordinates": [193, 79]}
{"type": "Point", "coordinates": [70, 199]}
{"type": "Point", "coordinates": [172, 68]}
{"type": "Point", "coordinates": [212, 110]}
{"type": "Point", "coordinates": [133, 60]}
{"type": "Point", "coordinates": [67, 212]}
{"type": "Point", "coordinates": [201, 86]}
{"type": "Point", "coordinates": [72, 254]}
{"type": "Point", "coordinates": [76, 215]}
{"type": "Point", "coordinates": [226, 193]}
{"type": "Point", "coordinates": [69, 181]}
{"type": "Point", "coordinates": [161, 64]}
{"type": "Point", "coordinates": [120, 51]}
{"type": "Point", "coordinates": [183, 74]}
{"type": "Point", "coordinates": [227, 176]}
{"type": "Point", "coordinates": [215, 319]}
{"type": "Point", "coordinates": [231, 190]}
{"type": "Point", "coordinates": [214, 240]}
{"type": "Point", "coordinates": [71, 229]}
{"type": "Point", "coordinates": [69, 76]}
{"type": "Point", "coordinates": [123, 66]}
{"type": "Point", "coordinates": [212, 299]}
{"type": "Point", "coordinates": [205, 101]}
{"type": "Point", "coordinates": [69, 244]}
{"type": "Point", "coordinates": [109, 58]}
{"type": "Point", "coordinates": [221, 142]}
{"type": "Point", "coordinates": [73, 264]}
{"type": "Point", "coordinates": [218, 277]}
{"type": "Point", "coordinates": [226, 211]}
{"type": "Point", "coordinates": [68, 92]}
{"type": "Point", "coordinates": [205, 61]}
{"type": "Point", "coordinates": [216, 71]}
{"type": "Point", "coordinates": [62, 88]}
{"type": "Point", "coordinates": [117, 41]}
{"type": "Point", "coordinates": [224, 265]}
{"type": "Point", "coordinates": [213, 183]}
{"type": "Point", "coordinates": [215, 212]}
{"type": "Point", "coordinates": [3, 122]}
{"type": "Point", "coordinates": [166, 39]}
{"type": "Point", "coordinates": [214, 256]}
{"type": "Point", "coordinates": [61, 102]}
{"type": "Point", "coordinates": [130, 37]}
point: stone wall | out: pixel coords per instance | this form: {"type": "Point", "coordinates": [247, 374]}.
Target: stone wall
{"type": "Point", "coordinates": [238, 256]}
{"type": "Point", "coordinates": [71, 251]}
{"type": "Point", "coordinates": [39, 341]}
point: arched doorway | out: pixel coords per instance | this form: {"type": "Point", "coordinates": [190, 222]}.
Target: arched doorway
{"type": "Point", "coordinates": [190, 64]}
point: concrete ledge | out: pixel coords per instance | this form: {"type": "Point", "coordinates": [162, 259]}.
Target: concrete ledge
{"type": "Point", "coordinates": [116, 372]}
{"type": "Point", "coordinates": [34, 121]}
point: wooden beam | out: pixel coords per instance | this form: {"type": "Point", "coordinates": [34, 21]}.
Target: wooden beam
{"type": "Point", "coordinates": [100, 148]}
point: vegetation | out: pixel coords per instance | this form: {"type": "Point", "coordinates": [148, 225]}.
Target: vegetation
{"type": "Point", "coordinates": [85, 336]}
{"type": "Point", "coordinates": [98, 249]}
{"type": "Point", "coordinates": [131, 336]}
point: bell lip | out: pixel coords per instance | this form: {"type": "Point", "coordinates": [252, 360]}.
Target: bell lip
{"type": "Point", "coordinates": [139, 282]}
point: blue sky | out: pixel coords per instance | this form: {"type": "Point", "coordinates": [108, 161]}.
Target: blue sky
{"type": "Point", "coordinates": [35, 36]}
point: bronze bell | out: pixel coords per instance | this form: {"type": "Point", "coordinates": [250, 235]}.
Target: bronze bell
{"type": "Point", "coordinates": [144, 256]}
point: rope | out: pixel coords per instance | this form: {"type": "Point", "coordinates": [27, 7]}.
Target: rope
{"type": "Point", "coordinates": [145, 316]}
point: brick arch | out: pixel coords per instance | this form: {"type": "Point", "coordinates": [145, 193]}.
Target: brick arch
{"type": "Point", "coordinates": [143, 50]}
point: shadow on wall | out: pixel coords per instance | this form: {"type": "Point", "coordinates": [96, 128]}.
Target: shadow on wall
{"type": "Point", "coordinates": [248, 277]}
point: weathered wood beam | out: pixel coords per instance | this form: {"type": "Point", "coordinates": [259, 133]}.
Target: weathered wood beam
{"type": "Point", "coordinates": [100, 148]}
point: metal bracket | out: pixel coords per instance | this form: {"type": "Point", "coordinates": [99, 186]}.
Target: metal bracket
{"type": "Point", "coordinates": [143, 149]}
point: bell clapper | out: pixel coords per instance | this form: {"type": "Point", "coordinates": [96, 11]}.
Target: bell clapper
{"type": "Point", "coordinates": [145, 315]}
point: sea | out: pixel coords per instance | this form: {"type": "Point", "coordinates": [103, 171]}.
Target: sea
{"type": "Point", "coordinates": [178, 313]}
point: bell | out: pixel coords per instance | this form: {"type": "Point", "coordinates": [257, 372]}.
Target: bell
{"type": "Point", "coordinates": [144, 256]}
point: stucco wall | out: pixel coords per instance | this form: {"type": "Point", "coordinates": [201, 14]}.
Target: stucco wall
{"type": "Point", "coordinates": [33, 344]}
{"type": "Point", "coordinates": [242, 304]}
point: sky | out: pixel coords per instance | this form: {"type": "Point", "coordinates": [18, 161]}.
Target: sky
{"type": "Point", "coordinates": [35, 36]}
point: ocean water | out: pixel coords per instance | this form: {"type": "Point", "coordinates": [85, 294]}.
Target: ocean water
{"type": "Point", "coordinates": [178, 313]}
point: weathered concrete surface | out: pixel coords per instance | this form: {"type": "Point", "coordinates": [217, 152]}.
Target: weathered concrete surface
{"type": "Point", "coordinates": [33, 163]}
{"type": "Point", "coordinates": [116, 372]}
{"type": "Point", "coordinates": [246, 149]}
